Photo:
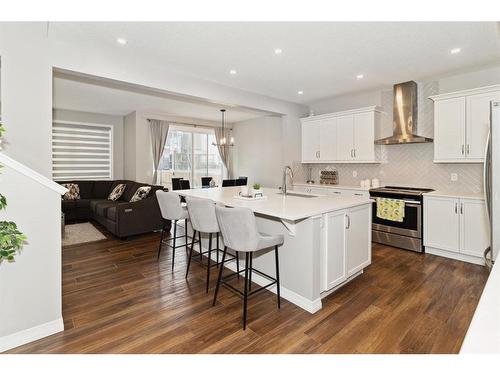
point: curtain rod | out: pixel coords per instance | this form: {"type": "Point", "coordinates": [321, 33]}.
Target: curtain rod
{"type": "Point", "coordinates": [188, 124]}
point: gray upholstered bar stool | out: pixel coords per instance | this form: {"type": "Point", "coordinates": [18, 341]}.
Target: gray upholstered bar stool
{"type": "Point", "coordinates": [203, 220]}
{"type": "Point", "coordinates": [172, 209]}
{"type": "Point", "coordinates": [239, 230]}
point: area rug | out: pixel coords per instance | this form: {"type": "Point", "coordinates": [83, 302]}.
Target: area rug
{"type": "Point", "coordinates": [81, 233]}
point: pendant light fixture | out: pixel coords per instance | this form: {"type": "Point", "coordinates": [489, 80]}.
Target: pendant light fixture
{"type": "Point", "coordinates": [223, 142]}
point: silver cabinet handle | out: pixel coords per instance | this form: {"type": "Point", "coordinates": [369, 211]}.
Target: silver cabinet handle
{"type": "Point", "coordinates": [468, 149]}
{"type": "Point", "coordinates": [336, 192]}
{"type": "Point", "coordinates": [463, 149]}
{"type": "Point", "coordinates": [354, 152]}
{"type": "Point", "coordinates": [319, 154]}
{"type": "Point", "coordinates": [348, 224]}
{"type": "Point", "coordinates": [461, 208]}
{"type": "Point", "coordinates": [456, 208]}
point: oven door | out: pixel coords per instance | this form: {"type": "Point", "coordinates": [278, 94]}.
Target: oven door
{"type": "Point", "coordinates": [411, 225]}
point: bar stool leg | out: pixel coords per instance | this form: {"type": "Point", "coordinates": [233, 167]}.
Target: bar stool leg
{"type": "Point", "coordinates": [245, 293]}
{"type": "Point", "coordinates": [277, 276]}
{"type": "Point", "coordinates": [209, 256]}
{"type": "Point", "coordinates": [161, 239]}
{"type": "Point", "coordinates": [217, 249]}
{"type": "Point", "coordinates": [220, 275]}
{"type": "Point", "coordinates": [173, 247]}
{"type": "Point", "coordinates": [190, 255]}
{"type": "Point", "coordinates": [250, 272]}
{"type": "Point", "coordinates": [186, 233]}
{"type": "Point", "coordinates": [237, 264]}
{"type": "Point", "coordinates": [199, 244]}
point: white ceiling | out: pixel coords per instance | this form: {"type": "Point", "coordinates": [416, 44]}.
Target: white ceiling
{"type": "Point", "coordinates": [322, 59]}
{"type": "Point", "coordinates": [88, 95]}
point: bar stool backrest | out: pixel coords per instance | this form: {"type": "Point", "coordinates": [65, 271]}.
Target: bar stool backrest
{"type": "Point", "coordinates": [202, 215]}
{"type": "Point", "coordinates": [170, 205]}
{"type": "Point", "coordinates": [238, 227]}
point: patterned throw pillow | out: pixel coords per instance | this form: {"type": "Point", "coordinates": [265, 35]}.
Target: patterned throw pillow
{"type": "Point", "coordinates": [73, 192]}
{"type": "Point", "coordinates": [117, 192]}
{"type": "Point", "coordinates": [140, 193]}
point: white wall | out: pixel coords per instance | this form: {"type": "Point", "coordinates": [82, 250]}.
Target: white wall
{"type": "Point", "coordinates": [129, 148]}
{"type": "Point", "coordinates": [30, 287]}
{"type": "Point", "coordinates": [258, 150]}
{"type": "Point", "coordinates": [98, 118]}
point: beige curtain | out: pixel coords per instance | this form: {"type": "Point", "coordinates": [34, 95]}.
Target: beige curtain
{"type": "Point", "coordinates": [159, 133]}
{"type": "Point", "coordinates": [225, 151]}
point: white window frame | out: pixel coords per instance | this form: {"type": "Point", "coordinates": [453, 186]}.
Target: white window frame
{"type": "Point", "coordinates": [90, 124]}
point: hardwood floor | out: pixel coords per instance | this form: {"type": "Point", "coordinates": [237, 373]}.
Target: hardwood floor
{"type": "Point", "coordinates": [118, 299]}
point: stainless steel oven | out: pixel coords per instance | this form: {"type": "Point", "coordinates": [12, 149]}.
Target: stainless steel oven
{"type": "Point", "coordinates": [407, 234]}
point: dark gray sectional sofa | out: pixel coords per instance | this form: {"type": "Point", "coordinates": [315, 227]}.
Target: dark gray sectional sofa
{"type": "Point", "coordinates": [120, 217]}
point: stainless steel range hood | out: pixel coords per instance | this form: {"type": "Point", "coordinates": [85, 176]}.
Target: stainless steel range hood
{"type": "Point", "coordinates": [405, 116]}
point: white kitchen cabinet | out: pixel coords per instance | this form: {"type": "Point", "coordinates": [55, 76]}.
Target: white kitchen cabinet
{"type": "Point", "coordinates": [341, 137]}
{"type": "Point", "coordinates": [461, 123]}
{"type": "Point", "coordinates": [310, 141]}
{"type": "Point", "coordinates": [474, 227]}
{"type": "Point", "coordinates": [348, 244]}
{"type": "Point", "coordinates": [442, 223]}
{"type": "Point", "coordinates": [449, 129]}
{"type": "Point", "coordinates": [478, 121]}
{"type": "Point", "coordinates": [358, 239]}
{"type": "Point", "coordinates": [456, 225]}
{"type": "Point", "coordinates": [345, 136]}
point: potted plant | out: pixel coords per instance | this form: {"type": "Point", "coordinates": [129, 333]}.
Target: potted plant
{"type": "Point", "coordinates": [257, 190]}
{"type": "Point", "coordinates": [11, 239]}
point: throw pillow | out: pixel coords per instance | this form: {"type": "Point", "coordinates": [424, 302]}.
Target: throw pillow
{"type": "Point", "coordinates": [140, 193]}
{"type": "Point", "coordinates": [117, 192]}
{"type": "Point", "coordinates": [73, 192]}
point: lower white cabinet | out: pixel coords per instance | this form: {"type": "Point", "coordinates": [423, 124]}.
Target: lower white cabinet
{"type": "Point", "coordinates": [456, 225]}
{"type": "Point", "coordinates": [347, 248]}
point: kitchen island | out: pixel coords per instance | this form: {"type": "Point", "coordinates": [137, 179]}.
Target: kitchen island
{"type": "Point", "coordinates": [327, 239]}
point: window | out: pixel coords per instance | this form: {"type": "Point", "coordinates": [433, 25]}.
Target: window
{"type": "Point", "coordinates": [81, 151]}
{"type": "Point", "coordinates": [189, 154]}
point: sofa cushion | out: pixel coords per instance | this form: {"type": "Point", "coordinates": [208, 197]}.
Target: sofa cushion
{"type": "Point", "coordinates": [140, 193]}
{"type": "Point", "coordinates": [73, 192]}
{"type": "Point", "coordinates": [83, 203]}
{"type": "Point", "coordinates": [68, 204]}
{"type": "Point", "coordinates": [101, 208]}
{"type": "Point", "coordinates": [85, 188]}
{"type": "Point", "coordinates": [130, 190]}
{"type": "Point", "coordinates": [95, 202]}
{"type": "Point", "coordinates": [117, 192]}
{"type": "Point", "coordinates": [101, 189]}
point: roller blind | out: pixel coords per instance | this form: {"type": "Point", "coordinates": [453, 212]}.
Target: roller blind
{"type": "Point", "coordinates": [81, 151]}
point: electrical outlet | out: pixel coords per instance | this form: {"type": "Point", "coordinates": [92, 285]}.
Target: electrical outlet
{"type": "Point", "coordinates": [354, 173]}
{"type": "Point", "coordinates": [454, 177]}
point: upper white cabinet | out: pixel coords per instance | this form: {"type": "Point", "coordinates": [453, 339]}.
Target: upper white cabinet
{"type": "Point", "coordinates": [461, 123]}
{"type": "Point", "coordinates": [341, 137]}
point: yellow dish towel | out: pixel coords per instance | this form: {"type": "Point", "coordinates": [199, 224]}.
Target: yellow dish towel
{"type": "Point", "coordinates": [391, 209]}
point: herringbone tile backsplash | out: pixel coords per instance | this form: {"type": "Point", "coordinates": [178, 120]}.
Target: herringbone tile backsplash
{"type": "Point", "coordinates": [405, 165]}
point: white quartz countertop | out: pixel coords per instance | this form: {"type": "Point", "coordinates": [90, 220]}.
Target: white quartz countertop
{"type": "Point", "coordinates": [454, 194]}
{"type": "Point", "coordinates": [290, 208]}
{"type": "Point", "coordinates": [347, 187]}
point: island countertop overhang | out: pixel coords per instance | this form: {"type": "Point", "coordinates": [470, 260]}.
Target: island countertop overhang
{"type": "Point", "coordinates": [290, 208]}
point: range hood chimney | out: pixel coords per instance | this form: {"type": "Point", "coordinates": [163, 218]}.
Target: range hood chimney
{"type": "Point", "coordinates": [405, 116]}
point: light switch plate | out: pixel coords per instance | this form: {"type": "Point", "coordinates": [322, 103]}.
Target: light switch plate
{"type": "Point", "coordinates": [454, 177]}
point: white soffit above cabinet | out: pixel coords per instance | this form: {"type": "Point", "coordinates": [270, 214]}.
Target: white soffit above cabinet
{"type": "Point", "coordinates": [322, 59]}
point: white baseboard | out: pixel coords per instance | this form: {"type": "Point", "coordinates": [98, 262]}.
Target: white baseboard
{"type": "Point", "coordinates": [31, 334]}
{"type": "Point", "coordinates": [453, 255]}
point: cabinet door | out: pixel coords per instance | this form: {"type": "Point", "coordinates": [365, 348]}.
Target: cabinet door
{"type": "Point", "coordinates": [345, 138]}
{"type": "Point", "coordinates": [334, 262]}
{"type": "Point", "coordinates": [328, 140]}
{"type": "Point", "coordinates": [478, 122]}
{"type": "Point", "coordinates": [364, 136]}
{"type": "Point", "coordinates": [449, 129]}
{"type": "Point", "coordinates": [310, 141]}
{"type": "Point", "coordinates": [442, 223]}
{"type": "Point", "coordinates": [358, 238]}
{"type": "Point", "coordinates": [474, 227]}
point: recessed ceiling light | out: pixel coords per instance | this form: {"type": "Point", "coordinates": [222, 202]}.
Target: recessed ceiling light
{"type": "Point", "coordinates": [121, 41]}
{"type": "Point", "coordinates": [278, 51]}
{"type": "Point", "coordinates": [360, 76]}
{"type": "Point", "coordinates": [300, 92]}
{"type": "Point", "coordinates": [233, 72]}
{"type": "Point", "coordinates": [454, 51]}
